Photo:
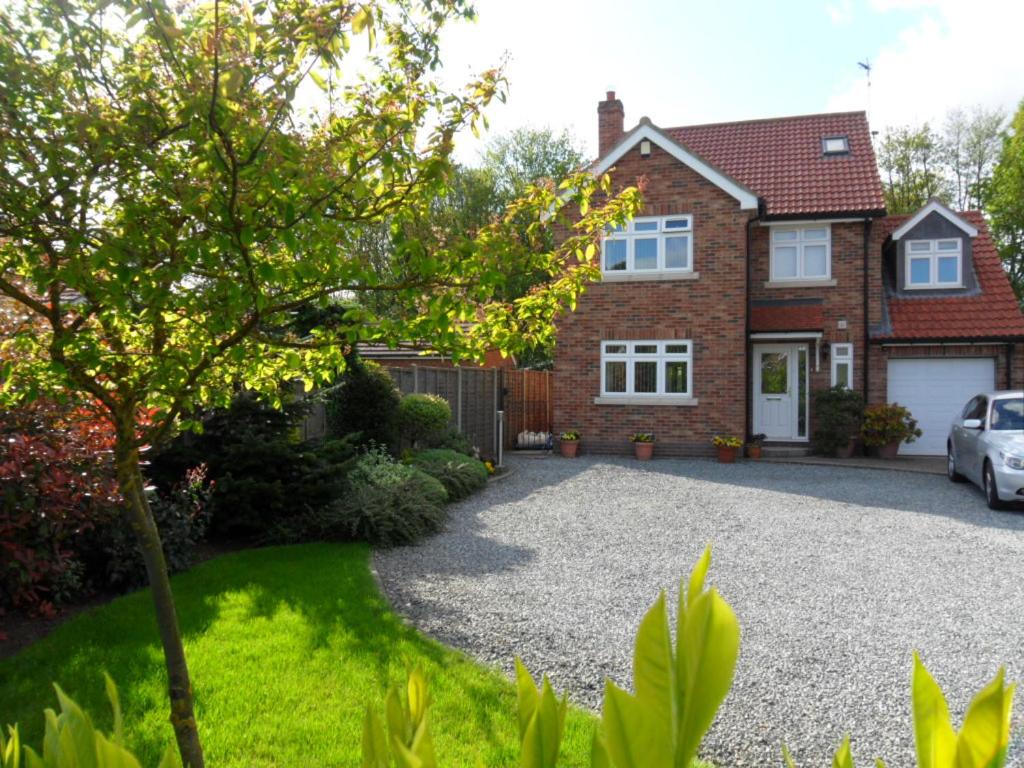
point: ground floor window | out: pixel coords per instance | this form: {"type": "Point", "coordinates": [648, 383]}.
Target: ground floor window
{"type": "Point", "coordinates": [647, 367]}
{"type": "Point", "coordinates": [842, 365]}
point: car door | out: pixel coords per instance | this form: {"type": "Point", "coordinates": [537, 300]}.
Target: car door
{"type": "Point", "coordinates": [970, 453]}
{"type": "Point", "coordinates": [956, 430]}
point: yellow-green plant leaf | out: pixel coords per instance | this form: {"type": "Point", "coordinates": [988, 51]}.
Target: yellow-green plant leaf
{"type": "Point", "coordinates": [419, 699]}
{"type": "Point", "coordinates": [631, 733]}
{"type": "Point", "coordinates": [787, 757]}
{"type": "Point", "coordinates": [599, 753]}
{"type": "Point", "coordinates": [115, 706]}
{"type": "Point", "coordinates": [983, 739]}
{"type": "Point", "coordinates": [527, 697]}
{"type": "Point", "coordinates": [708, 645]}
{"type": "Point", "coordinates": [653, 670]}
{"type": "Point", "coordinates": [843, 757]}
{"type": "Point", "coordinates": [933, 733]}
{"type": "Point", "coordinates": [698, 575]}
{"type": "Point", "coordinates": [375, 741]}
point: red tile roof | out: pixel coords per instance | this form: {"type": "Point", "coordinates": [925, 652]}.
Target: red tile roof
{"type": "Point", "coordinates": [800, 317]}
{"type": "Point", "coordinates": [781, 160]}
{"type": "Point", "coordinates": [992, 313]}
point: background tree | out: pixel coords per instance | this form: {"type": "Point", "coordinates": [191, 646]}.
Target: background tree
{"type": "Point", "coordinates": [970, 146]}
{"type": "Point", "coordinates": [909, 160]}
{"type": "Point", "coordinates": [166, 207]}
{"type": "Point", "coordinates": [1005, 201]}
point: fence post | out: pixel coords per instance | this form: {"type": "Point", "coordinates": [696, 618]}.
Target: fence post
{"type": "Point", "coordinates": [494, 394]}
{"type": "Point", "coordinates": [501, 437]}
{"type": "Point", "coordinates": [458, 398]}
{"type": "Point", "coordinates": [415, 379]}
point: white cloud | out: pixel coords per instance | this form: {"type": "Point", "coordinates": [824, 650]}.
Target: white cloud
{"type": "Point", "coordinates": [840, 12]}
{"type": "Point", "coordinates": [956, 54]}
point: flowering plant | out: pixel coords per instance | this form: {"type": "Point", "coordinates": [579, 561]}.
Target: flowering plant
{"type": "Point", "coordinates": [888, 423]}
{"type": "Point", "coordinates": [570, 434]}
{"type": "Point", "coordinates": [726, 441]}
{"type": "Point", "coordinates": [641, 437]}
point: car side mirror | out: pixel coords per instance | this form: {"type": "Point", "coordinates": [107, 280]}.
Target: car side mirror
{"type": "Point", "coordinates": [972, 424]}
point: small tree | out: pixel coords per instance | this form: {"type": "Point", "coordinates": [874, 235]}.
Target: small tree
{"type": "Point", "coordinates": [364, 399]}
{"type": "Point", "coordinates": [1005, 201]}
{"type": "Point", "coordinates": [166, 206]}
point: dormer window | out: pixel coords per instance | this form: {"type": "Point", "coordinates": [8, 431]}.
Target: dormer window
{"type": "Point", "coordinates": [835, 145]}
{"type": "Point", "coordinates": [934, 263]}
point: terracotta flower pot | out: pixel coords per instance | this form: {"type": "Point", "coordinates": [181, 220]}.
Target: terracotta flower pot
{"type": "Point", "coordinates": [846, 451]}
{"type": "Point", "coordinates": [726, 455]}
{"type": "Point", "coordinates": [643, 451]}
{"type": "Point", "coordinates": [754, 451]}
{"type": "Point", "coordinates": [569, 448]}
{"type": "Point", "coordinates": [889, 450]}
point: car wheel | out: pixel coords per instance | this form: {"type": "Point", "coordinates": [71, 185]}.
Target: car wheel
{"type": "Point", "coordinates": [989, 486]}
{"type": "Point", "coordinates": [951, 472]}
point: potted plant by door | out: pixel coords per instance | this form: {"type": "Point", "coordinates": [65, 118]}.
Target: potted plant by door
{"type": "Point", "coordinates": [886, 426]}
{"type": "Point", "coordinates": [643, 445]}
{"type": "Point", "coordinates": [569, 443]}
{"type": "Point", "coordinates": [839, 413]}
{"type": "Point", "coordinates": [754, 446]}
{"type": "Point", "coordinates": [727, 446]}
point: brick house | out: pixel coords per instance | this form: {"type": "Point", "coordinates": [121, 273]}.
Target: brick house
{"type": "Point", "coordinates": [763, 267]}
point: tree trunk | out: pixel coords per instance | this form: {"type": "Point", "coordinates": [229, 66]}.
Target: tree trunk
{"type": "Point", "coordinates": [140, 516]}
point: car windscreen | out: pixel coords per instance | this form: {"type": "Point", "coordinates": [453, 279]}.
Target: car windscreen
{"type": "Point", "coordinates": [1008, 414]}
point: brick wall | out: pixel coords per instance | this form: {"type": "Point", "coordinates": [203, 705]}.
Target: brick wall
{"type": "Point", "coordinates": [710, 310]}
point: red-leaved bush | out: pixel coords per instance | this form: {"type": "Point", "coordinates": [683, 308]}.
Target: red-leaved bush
{"type": "Point", "coordinates": [56, 483]}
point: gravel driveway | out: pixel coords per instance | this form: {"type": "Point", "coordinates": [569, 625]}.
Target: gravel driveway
{"type": "Point", "coordinates": [836, 575]}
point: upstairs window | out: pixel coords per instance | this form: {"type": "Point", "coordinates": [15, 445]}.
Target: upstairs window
{"type": "Point", "coordinates": [801, 253]}
{"type": "Point", "coordinates": [662, 244]}
{"type": "Point", "coordinates": [647, 368]}
{"type": "Point", "coordinates": [934, 263]}
{"type": "Point", "coordinates": [835, 145]}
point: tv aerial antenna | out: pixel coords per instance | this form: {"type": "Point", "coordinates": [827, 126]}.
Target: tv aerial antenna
{"type": "Point", "coordinates": [866, 66]}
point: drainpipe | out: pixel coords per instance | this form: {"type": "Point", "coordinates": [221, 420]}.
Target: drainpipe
{"type": "Point", "coordinates": [748, 378]}
{"type": "Point", "coordinates": [1009, 365]}
{"type": "Point", "coordinates": [867, 322]}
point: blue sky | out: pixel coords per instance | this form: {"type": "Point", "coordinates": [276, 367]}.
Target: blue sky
{"type": "Point", "coordinates": [689, 62]}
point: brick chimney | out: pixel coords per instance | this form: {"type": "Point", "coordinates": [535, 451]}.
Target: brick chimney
{"type": "Point", "coordinates": [610, 119]}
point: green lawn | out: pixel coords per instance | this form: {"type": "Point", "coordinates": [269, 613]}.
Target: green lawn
{"type": "Point", "coordinates": [286, 646]}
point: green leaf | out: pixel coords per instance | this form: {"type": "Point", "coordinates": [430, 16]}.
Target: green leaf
{"type": "Point", "coordinates": [933, 733]}
{"type": "Point", "coordinates": [706, 661]}
{"type": "Point", "coordinates": [698, 576]}
{"type": "Point", "coordinates": [375, 741]}
{"type": "Point", "coordinates": [787, 758]}
{"type": "Point", "coordinates": [631, 732]}
{"type": "Point", "coordinates": [527, 697]}
{"type": "Point", "coordinates": [361, 19]}
{"type": "Point", "coordinates": [653, 670]}
{"type": "Point", "coordinates": [843, 757]}
{"type": "Point", "coordinates": [599, 753]}
{"type": "Point", "coordinates": [984, 737]}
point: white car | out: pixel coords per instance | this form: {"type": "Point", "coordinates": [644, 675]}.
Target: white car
{"type": "Point", "coordinates": [986, 446]}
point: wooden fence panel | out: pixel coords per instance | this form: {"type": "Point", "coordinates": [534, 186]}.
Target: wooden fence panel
{"type": "Point", "coordinates": [529, 409]}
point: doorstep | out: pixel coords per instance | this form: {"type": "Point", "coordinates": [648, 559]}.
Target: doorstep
{"type": "Point", "coordinates": [925, 465]}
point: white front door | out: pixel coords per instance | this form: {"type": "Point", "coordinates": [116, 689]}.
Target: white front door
{"type": "Point", "coordinates": [780, 391]}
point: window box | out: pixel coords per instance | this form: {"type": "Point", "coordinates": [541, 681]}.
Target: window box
{"type": "Point", "coordinates": [650, 246]}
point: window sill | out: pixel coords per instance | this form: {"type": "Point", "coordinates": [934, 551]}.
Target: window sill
{"type": "Point", "coordinates": [653, 274]}
{"type": "Point", "coordinates": [943, 287]}
{"type": "Point", "coordinates": [800, 283]}
{"type": "Point", "coordinates": [645, 400]}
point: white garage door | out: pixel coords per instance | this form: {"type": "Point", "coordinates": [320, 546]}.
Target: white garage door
{"type": "Point", "coordinates": [936, 391]}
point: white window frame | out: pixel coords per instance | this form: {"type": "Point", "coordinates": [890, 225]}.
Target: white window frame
{"type": "Point", "coordinates": [842, 354]}
{"type": "Point", "coordinates": [661, 357]}
{"type": "Point", "coordinates": [933, 254]}
{"type": "Point", "coordinates": [630, 235]}
{"type": "Point", "coordinates": [800, 243]}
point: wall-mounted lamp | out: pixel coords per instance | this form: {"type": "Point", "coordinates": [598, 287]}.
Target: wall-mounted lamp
{"type": "Point", "coordinates": [645, 148]}
{"type": "Point", "coordinates": [841, 323]}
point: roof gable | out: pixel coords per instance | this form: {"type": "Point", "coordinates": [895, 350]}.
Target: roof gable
{"type": "Point", "coordinates": [646, 131]}
{"type": "Point", "coordinates": [935, 206]}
